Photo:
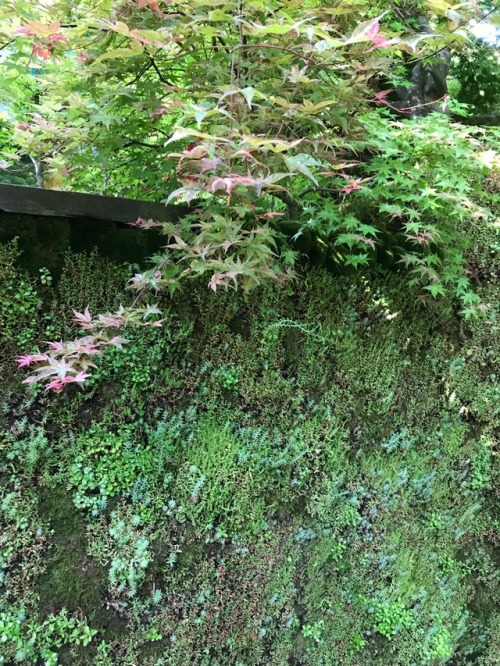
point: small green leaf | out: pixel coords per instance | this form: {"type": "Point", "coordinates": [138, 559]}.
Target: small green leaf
{"type": "Point", "coordinates": [435, 289]}
{"type": "Point", "coordinates": [357, 260]}
{"type": "Point", "coordinates": [136, 49]}
{"type": "Point", "coordinates": [301, 163]}
{"type": "Point", "coordinates": [439, 5]}
{"type": "Point", "coordinates": [248, 93]}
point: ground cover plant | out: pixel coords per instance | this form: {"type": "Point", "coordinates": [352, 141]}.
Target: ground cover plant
{"type": "Point", "coordinates": [308, 477]}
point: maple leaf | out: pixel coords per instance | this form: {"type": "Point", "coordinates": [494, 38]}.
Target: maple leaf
{"type": "Point", "coordinates": [422, 238]}
{"type": "Point", "coordinates": [41, 51]}
{"type": "Point", "coordinates": [381, 97]}
{"type": "Point", "coordinates": [378, 40]}
{"type": "Point", "coordinates": [84, 319]}
{"type": "Point", "coordinates": [57, 37]}
{"type": "Point", "coordinates": [25, 30]}
{"type": "Point", "coordinates": [365, 240]}
{"type": "Point", "coordinates": [207, 164]}
{"type": "Point", "coordinates": [24, 361]}
{"type": "Point", "coordinates": [141, 223]}
{"type": "Point", "coordinates": [373, 30]}
{"type": "Point", "coordinates": [61, 367]}
{"type": "Point", "coordinates": [83, 57]}
{"type": "Point", "coordinates": [150, 310]}
{"type": "Point", "coordinates": [269, 216]}
{"type": "Point", "coordinates": [28, 359]}
{"type": "Point", "coordinates": [111, 321]}
{"type": "Point", "coordinates": [118, 342]}
{"type": "Point", "coordinates": [56, 346]}
{"type": "Point", "coordinates": [80, 347]}
{"type": "Point", "coordinates": [54, 385]}
{"type": "Point", "coordinates": [220, 279]}
{"type": "Point", "coordinates": [408, 260]}
{"type": "Point", "coordinates": [352, 183]}
{"type": "Point", "coordinates": [80, 377]}
{"type": "Point", "coordinates": [152, 4]}
{"type": "Point", "coordinates": [229, 182]}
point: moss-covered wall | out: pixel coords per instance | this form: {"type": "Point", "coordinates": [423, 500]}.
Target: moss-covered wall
{"type": "Point", "coordinates": [304, 477]}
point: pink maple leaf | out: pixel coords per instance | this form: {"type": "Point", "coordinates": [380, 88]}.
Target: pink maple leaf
{"type": "Point", "coordinates": [206, 163]}
{"type": "Point", "coordinates": [229, 182]}
{"type": "Point", "coordinates": [57, 37]}
{"type": "Point", "coordinates": [375, 37]}
{"type": "Point", "coordinates": [110, 321]}
{"type": "Point", "coordinates": [381, 97]}
{"type": "Point", "coordinates": [141, 223]}
{"type": "Point", "coordinates": [26, 360]}
{"type": "Point", "coordinates": [88, 348]}
{"type": "Point", "coordinates": [83, 57]}
{"type": "Point", "coordinates": [352, 183]}
{"type": "Point", "coordinates": [380, 41]}
{"type": "Point", "coordinates": [41, 51]}
{"type": "Point", "coordinates": [54, 385]}
{"type": "Point", "coordinates": [152, 4]}
{"type": "Point", "coordinates": [80, 377]}
{"type": "Point", "coordinates": [216, 281]}
{"type": "Point", "coordinates": [373, 31]}
{"type": "Point", "coordinates": [270, 215]}
{"type": "Point", "coordinates": [118, 342]}
{"type": "Point", "coordinates": [244, 153]}
{"type": "Point", "coordinates": [57, 346]}
{"type": "Point", "coordinates": [422, 238]}
{"type": "Point", "coordinates": [351, 186]}
{"type": "Point", "coordinates": [220, 279]}
{"type": "Point", "coordinates": [25, 30]}
{"type": "Point", "coordinates": [83, 318]}
{"type": "Point", "coordinates": [365, 240]}
{"type": "Point", "coordinates": [159, 112]}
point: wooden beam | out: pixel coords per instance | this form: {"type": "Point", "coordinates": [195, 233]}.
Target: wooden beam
{"type": "Point", "coordinates": [54, 203]}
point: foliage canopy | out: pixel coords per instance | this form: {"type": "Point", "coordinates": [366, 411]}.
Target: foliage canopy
{"type": "Point", "coordinates": [256, 112]}
{"type": "Point", "coordinates": [272, 120]}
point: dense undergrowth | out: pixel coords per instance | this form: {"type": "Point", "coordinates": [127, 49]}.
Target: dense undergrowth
{"type": "Point", "coordinates": [303, 477]}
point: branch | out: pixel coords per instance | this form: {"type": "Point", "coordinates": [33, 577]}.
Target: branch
{"type": "Point", "coordinates": [403, 109]}
{"type": "Point", "coordinates": [326, 190]}
{"type": "Point", "coordinates": [294, 208]}
{"type": "Point", "coordinates": [276, 48]}
{"type": "Point", "coordinates": [136, 142]}
{"type": "Point", "coordinates": [401, 15]}
{"type": "Point", "coordinates": [142, 71]}
{"type": "Point", "coordinates": [160, 75]}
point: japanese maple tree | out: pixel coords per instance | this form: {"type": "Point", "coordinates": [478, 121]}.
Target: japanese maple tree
{"type": "Point", "coordinates": [257, 113]}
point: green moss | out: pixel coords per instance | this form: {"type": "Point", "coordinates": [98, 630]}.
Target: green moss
{"type": "Point", "coordinates": [72, 579]}
{"type": "Point", "coordinates": [334, 503]}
